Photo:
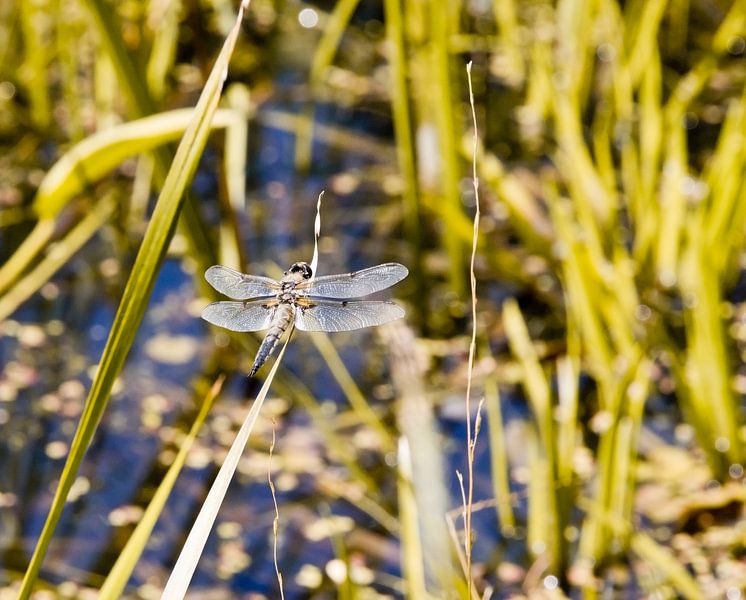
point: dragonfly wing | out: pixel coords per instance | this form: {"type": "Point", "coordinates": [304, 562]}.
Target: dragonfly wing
{"type": "Point", "coordinates": [239, 316]}
{"type": "Point", "coordinates": [239, 285]}
{"type": "Point", "coordinates": [357, 284]}
{"type": "Point", "coordinates": [330, 315]}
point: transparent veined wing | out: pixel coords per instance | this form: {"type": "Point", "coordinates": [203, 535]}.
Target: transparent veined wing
{"type": "Point", "coordinates": [328, 315]}
{"type": "Point", "coordinates": [239, 316]}
{"type": "Point", "coordinates": [357, 284]}
{"type": "Point", "coordinates": [239, 285]}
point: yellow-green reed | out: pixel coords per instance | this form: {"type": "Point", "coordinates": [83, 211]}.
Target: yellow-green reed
{"type": "Point", "coordinates": [441, 99]}
{"type": "Point", "coordinates": [70, 28]}
{"type": "Point", "coordinates": [500, 467]}
{"type": "Point", "coordinates": [57, 256]}
{"type": "Point", "coordinates": [509, 44]}
{"type": "Point", "coordinates": [121, 571]}
{"type": "Point", "coordinates": [412, 554]}
{"type": "Point", "coordinates": [136, 294]}
{"type": "Point", "coordinates": [36, 29]}
{"type": "Point", "coordinates": [544, 526]}
{"type": "Point", "coordinates": [334, 28]}
{"type": "Point", "coordinates": [164, 20]}
{"type": "Point", "coordinates": [402, 119]}
{"type": "Point", "coordinates": [724, 177]}
{"type": "Point", "coordinates": [141, 104]}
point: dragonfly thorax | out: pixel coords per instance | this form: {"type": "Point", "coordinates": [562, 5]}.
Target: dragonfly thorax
{"type": "Point", "coordinates": [288, 294]}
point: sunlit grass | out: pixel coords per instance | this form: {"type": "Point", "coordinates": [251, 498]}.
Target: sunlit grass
{"type": "Point", "coordinates": [617, 225]}
{"type": "Point", "coordinates": [136, 294]}
{"type": "Point", "coordinates": [116, 580]}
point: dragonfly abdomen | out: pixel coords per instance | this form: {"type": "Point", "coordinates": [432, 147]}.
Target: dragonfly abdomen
{"type": "Point", "coordinates": [280, 321]}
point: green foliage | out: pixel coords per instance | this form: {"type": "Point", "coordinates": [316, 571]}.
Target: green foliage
{"type": "Point", "coordinates": [116, 581]}
{"type": "Point", "coordinates": [619, 227]}
{"type": "Point", "coordinates": [136, 294]}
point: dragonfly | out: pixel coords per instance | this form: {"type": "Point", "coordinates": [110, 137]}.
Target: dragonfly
{"type": "Point", "coordinates": [329, 303]}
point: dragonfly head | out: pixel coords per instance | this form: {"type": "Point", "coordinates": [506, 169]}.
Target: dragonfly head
{"type": "Point", "coordinates": [301, 269]}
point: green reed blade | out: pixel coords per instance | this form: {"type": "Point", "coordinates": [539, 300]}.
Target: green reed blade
{"type": "Point", "coordinates": [728, 159]}
{"type": "Point", "coordinates": [166, 18]}
{"type": "Point", "coordinates": [402, 120]}
{"type": "Point", "coordinates": [333, 30]}
{"type": "Point", "coordinates": [544, 526]}
{"type": "Point", "coordinates": [37, 57]}
{"type": "Point", "coordinates": [121, 571]}
{"type": "Point", "coordinates": [499, 464]}
{"type": "Point", "coordinates": [543, 529]}
{"type": "Point", "coordinates": [137, 292]}
{"type": "Point", "coordinates": [641, 33]}
{"type": "Point", "coordinates": [412, 559]}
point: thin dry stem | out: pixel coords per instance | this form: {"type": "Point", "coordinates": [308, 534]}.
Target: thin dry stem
{"type": "Point", "coordinates": [276, 520]}
{"type": "Point", "coordinates": [471, 441]}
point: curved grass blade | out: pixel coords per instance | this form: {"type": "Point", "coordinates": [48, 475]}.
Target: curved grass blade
{"type": "Point", "coordinates": [102, 152]}
{"type": "Point", "coordinates": [178, 582]}
{"type": "Point", "coordinates": [120, 573]}
{"type": "Point", "coordinates": [138, 289]}
{"type": "Point", "coordinates": [88, 161]}
{"type": "Point", "coordinates": [141, 103]}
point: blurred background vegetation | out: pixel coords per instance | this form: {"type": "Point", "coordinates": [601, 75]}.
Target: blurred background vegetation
{"type": "Point", "coordinates": [611, 300]}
